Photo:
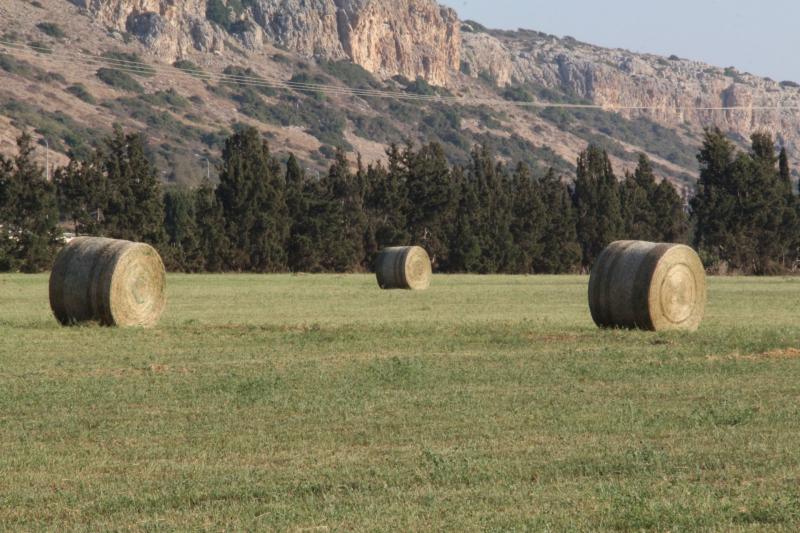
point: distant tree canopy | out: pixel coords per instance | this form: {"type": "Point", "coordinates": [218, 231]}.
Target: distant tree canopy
{"type": "Point", "coordinates": [488, 216]}
{"type": "Point", "coordinates": [745, 210]}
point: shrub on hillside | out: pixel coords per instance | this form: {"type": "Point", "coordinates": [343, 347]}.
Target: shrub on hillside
{"type": "Point", "coordinates": [52, 29]}
{"type": "Point", "coordinates": [119, 80]}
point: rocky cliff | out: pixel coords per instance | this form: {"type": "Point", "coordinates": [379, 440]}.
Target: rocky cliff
{"type": "Point", "coordinates": [410, 38]}
{"type": "Point", "coordinates": [420, 38]}
{"type": "Point", "coordinates": [620, 80]}
{"type": "Point", "coordinates": [392, 42]}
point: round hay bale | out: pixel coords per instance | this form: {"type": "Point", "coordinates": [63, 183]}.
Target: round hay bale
{"type": "Point", "coordinates": [403, 267]}
{"type": "Point", "coordinates": [649, 286]}
{"type": "Point", "coordinates": [115, 283]}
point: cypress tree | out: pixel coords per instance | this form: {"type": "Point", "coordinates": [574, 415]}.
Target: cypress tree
{"type": "Point", "coordinates": [465, 246]}
{"type": "Point", "coordinates": [637, 203]}
{"type": "Point", "coordinates": [345, 219]}
{"type": "Point", "coordinates": [182, 248]}
{"type": "Point", "coordinates": [83, 193]}
{"type": "Point", "coordinates": [768, 205]}
{"type": "Point", "coordinates": [30, 213]}
{"type": "Point", "coordinates": [670, 219]}
{"type": "Point", "coordinates": [300, 247]}
{"type": "Point", "coordinates": [213, 243]}
{"type": "Point", "coordinates": [527, 222]}
{"type": "Point", "coordinates": [597, 203]}
{"type": "Point", "coordinates": [432, 200]}
{"type": "Point", "coordinates": [134, 208]}
{"type": "Point", "coordinates": [560, 250]}
{"type": "Point", "coordinates": [251, 194]}
{"type": "Point", "coordinates": [385, 202]}
{"type": "Point", "coordinates": [495, 196]}
{"type": "Point", "coordinates": [714, 206]}
{"type": "Point", "coordinates": [145, 208]}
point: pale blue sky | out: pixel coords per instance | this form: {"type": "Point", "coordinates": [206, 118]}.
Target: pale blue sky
{"type": "Point", "coordinates": [761, 37]}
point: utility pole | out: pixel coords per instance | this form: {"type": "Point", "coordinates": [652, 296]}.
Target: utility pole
{"type": "Point", "coordinates": [208, 166]}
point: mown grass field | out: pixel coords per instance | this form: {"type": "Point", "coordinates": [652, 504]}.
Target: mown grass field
{"type": "Point", "coordinates": [321, 403]}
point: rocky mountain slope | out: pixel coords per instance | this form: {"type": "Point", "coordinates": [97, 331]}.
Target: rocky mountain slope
{"type": "Point", "coordinates": [69, 72]}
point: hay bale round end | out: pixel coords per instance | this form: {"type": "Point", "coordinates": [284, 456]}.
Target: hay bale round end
{"type": "Point", "coordinates": [650, 286]}
{"type": "Point", "coordinates": [403, 267]}
{"type": "Point", "coordinates": [113, 282]}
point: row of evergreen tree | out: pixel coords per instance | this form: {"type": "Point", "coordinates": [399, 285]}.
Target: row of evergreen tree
{"type": "Point", "coordinates": [485, 217]}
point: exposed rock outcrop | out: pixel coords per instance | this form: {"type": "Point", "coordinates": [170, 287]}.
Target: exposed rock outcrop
{"type": "Point", "coordinates": [411, 38]}
{"type": "Point", "coordinates": [620, 80]}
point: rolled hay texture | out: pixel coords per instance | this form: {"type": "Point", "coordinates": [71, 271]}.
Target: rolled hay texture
{"type": "Point", "coordinates": [403, 267]}
{"type": "Point", "coordinates": [115, 283]}
{"type": "Point", "coordinates": [650, 286]}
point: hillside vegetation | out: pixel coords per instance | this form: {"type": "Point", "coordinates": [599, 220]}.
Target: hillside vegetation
{"type": "Point", "coordinates": [70, 77]}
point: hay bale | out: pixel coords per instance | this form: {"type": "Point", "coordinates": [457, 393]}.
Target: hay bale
{"type": "Point", "coordinates": [403, 267]}
{"type": "Point", "coordinates": [648, 286]}
{"type": "Point", "coordinates": [116, 283]}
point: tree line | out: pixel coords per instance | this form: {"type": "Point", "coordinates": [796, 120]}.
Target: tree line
{"type": "Point", "coordinates": [488, 216]}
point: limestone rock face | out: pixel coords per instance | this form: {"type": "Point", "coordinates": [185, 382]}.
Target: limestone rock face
{"type": "Point", "coordinates": [485, 56]}
{"type": "Point", "coordinates": [420, 38]}
{"type": "Point", "coordinates": [169, 28]}
{"type": "Point", "coordinates": [308, 27]}
{"type": "Point", "coordinates": [411, 38]}
{"type": "Point", "coordinates": [619, 80]}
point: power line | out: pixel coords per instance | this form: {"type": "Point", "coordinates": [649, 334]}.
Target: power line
{"type": "Point", "coordinates": [168, 72]}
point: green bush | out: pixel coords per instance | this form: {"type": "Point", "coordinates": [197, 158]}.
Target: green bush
{"type": "Point", "coordinates": [80, 92]}
{"type": "Point", "coordinates": [52, 29]}
{"type": "Point", "coordinates": [189, 68]}
{"type": "Point", "coordinates": [251, 80]}
{"type": "Point", "coordinates": [19, 67]}
{"type": "Point", "coordinates": [169, 99]}
{"type": "Point", "coordinates": [40, 47]}
{"type": "Point", "coordinates": [350, 74]}
{"type": "Point", "coordinates": [517, 94]}
{"type": "Point", "coordinates": [131, 63]}
{"type": "Point", "coordinates": [119, 80]}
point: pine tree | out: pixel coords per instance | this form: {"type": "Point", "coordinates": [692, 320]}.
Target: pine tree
{"type": "Point", "coordinates": [145, 208]}
{"type": "Point", "coordinates": [299, 247]}
{"type": "Point", "coordinates": [714, 207]}
{"type": "Point", "coordinates": [29, 215]}
{"type": "Point", "coordinates": [596, 198]}
{"type": "Point", "coordinates": [527, 224]}
{"type": "Point", "coordinates": [182, 249]}
{"type": "Point", "coordinates": [385, 202]}
{"type": "Point", "coordinates": [669, 214]}
{"type": "Point", "coordinates": [346, 221]}
{"type": "Point", "coordinates": [83, 194]}
{"type": "Point", "coordinates": [637, 196]}
{"type": "Point", "coordinates": [134, 208]}
{"type": "Point", "coordinates": [213, 243]}
{"type": "Point", "coordinates": [494, 193]}
{"type": "Point", "coordinates": [560, 250]}
{"type": "Point", "coordinates": [465, 246]}
{"type": "Point", "coordinates": [768, 206]}
{"type": "Point", "coordinates": [432, 200]}
{"type": "Point", "coordinates": [251, 194]}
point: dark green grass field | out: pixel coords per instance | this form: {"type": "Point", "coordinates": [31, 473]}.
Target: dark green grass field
{"type": "Point", "coordinates": [317, 403]}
